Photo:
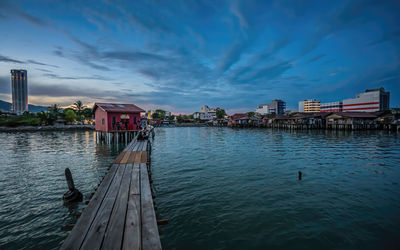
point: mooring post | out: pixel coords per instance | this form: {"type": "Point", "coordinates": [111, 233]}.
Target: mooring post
{"type": "Point", "coordinates": [73, 195]}
{"type": "Point", "coordinates": [70, 181]}
{"type": "Point", "coordinates": [300, 175]}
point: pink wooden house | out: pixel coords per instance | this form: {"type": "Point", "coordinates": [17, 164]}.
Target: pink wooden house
{"type": "Point", "coordinates": [113, 117]}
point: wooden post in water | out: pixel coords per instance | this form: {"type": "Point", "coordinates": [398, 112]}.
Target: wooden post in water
{"type": "Point", "coordinates": [73, 195]}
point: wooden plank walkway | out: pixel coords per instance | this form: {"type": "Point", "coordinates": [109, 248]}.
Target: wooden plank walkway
{"type": "Point", "coordinates": [120, 214]}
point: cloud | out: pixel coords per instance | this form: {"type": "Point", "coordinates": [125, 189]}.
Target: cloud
{"type": "Point", "coordinates": [5, 85]}
{"type": "Point", "coordinates": [43, 64]}
{"type": "Point", "coordinates": [9, 60]}
{"type": "Point", "coordinates": [315, 58]}
{"type": "Point", "coordinates": [93, 77]}
{"type": "Point", "coordinates": [391, 36]}
{"type": "Point", "coordinates": [261, 58]}
{"type": "Point", "coordinates": [132, 56]}
{"type": "Point", "coordinates": [32, 19]}
{"type": "Point", "coordinates": [236, 11]}
{"type": "Point", "coordinates": [232, 55]}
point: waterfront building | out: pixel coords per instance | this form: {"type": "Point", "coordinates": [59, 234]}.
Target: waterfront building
{"type": "Point", "coordinates": [275, 107]}
{"type": "Point", "coordinates": [19, 86]}
{"type": "Point", "coordinates": [114, 117]}
{"type": "Point", "coordinates": [331, 107]}
{"type": "Point", "coordinates": [262, 109]}
{"type": "Point", "coordinates": [206, 113]}
{"type": "Point", "coordinates": [369, 101]}
{"type": "Point", "coordinates": [309, 106]}
{"type": "Point", "coordinates": [351, 120]}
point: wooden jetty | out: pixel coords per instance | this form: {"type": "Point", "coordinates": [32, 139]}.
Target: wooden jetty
{"type": "Point", "coordinates": [121, 213]}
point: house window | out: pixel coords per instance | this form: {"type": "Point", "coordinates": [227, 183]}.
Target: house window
{"type": "Point", "coordinates": [102, 121]}
{"type": "Point", "coordinates": [134, 120]}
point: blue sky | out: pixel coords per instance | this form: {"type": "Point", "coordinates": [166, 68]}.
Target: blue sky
{"type": "Point", "coordinates": [180, 55]}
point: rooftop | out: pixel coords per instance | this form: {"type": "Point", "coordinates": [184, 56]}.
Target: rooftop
{"type": "Point", "coordinates": [117, 107]}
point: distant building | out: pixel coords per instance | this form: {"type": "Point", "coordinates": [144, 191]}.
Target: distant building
{"type": "Point", "coordinates": [206, 113]}
{"type": "Point", "coordinates": [262, 109]}
{"type": "Point", "coordinates": [275, 107]}
{"type": "Point", "coordinates": [19, 86]}
{"type": "Point", "coordinates": [309, 106]}
{"type": "Point", "coordinates": [371, 100]}
{"type": "Point", "coordinates": [331, 107]}
{"type": "Point", "coordinates": [113, 117]}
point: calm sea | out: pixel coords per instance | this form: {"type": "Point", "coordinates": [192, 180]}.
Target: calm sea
{"type": "Point", "coordinates": [220, 188]}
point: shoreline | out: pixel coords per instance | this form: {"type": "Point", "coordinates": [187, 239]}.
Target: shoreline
{"type": "Point", "coordinates": [47, 128]}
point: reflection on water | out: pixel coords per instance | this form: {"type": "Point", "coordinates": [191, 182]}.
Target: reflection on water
{"type": "Point", "coordinates": [32, 182]}
{"type": "Point", "coordinates": [223, 188]}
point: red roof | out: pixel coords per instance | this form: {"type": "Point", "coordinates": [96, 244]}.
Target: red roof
{"type": "Point", "coordinates": [118, 107]}
{"type": "Point", "coordinates": [238, 115]}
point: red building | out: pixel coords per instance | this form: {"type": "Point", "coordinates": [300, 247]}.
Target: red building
{"type": "Point", "coordinates": [114, 117]}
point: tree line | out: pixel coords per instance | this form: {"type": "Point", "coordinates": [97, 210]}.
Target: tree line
{"type": "Point", "coordinates": [77, 112]}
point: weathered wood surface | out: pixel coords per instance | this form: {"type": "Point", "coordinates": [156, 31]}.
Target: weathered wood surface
{"type": "Point", "coordinates": [121, 213]}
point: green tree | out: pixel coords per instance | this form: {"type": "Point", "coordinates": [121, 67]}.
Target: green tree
{"type": "Point", "coordinates": [180, 118]}
{"type": "Point", "coordinates": [43, 117]}
{"type": "Point", "coordinates": [155, 115]}
{"type": "Point", "coordinates": [161, 113]}
{"type": "Point", "coordinates": [69, 115]}
{"type": "Point", "coordinates": [87, 113]}
{"type": "Point", "coordinates": [220, 113]}
{"type": "Point", "coordinates": [250, 114]}
{"type": "Point", "coordinates": [171, 118]}
{"type": "Point", "coordinates": [78, 107]}
{"type": "Point", "coordinates": [53, 113]}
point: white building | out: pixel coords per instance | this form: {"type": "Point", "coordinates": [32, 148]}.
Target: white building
{"type": "Point", "coordinates": [206, 113]}
{"type": "Point", "coordinates": [331, 107]}
{"type": "Point", "coordinates": [263, 109]}
{"type": "Point", "coordinates": [274, 107]}
{"type": "Point", "coordinates": [370, 101]}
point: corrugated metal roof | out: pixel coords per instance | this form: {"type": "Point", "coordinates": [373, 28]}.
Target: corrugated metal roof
{"type": "Point", "coordinates": [117, 107]}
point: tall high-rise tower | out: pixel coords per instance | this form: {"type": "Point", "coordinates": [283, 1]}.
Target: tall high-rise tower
{"type": "Point", "coordinates": [19, 85]}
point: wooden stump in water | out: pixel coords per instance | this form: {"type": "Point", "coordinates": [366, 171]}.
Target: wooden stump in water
{"type": "Point", "coordinates": [73, 194]}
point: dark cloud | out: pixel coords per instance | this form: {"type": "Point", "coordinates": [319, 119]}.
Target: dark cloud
{"type": "Point", "coordinates": [43, 64]}
{"type": "Point", "coordinates": [5, 85]}
{"type": "Point", "coordinates": [68, 91]}
{"type": "Point", "coordinates": [392, 36]}
{"type": "Point", "coordinates": [32, 19]}
{"type": "Point", "coordinates": [315, 58]}
{"type": "Point", "coordinates": [9, 60]}
{"type": "Point", "coordinates": [260, 58]}
{"type": "Point", "coordinates": [93, 77]}
{"type": "Point", "coordinates": [44, 70]}
{"type": "Point", "coordinates": [9, 9]}
{"type": "Point", "coordinates": [232, 55]}
{"type": "Point", "coordinates": [132, 56]}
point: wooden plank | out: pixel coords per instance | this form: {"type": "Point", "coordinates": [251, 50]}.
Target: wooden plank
{"type": "Point", "coordinates": [144, 147]}
{"type": "Point", "coordinates": [144, 157]}
{"type": "Point", "coordinates": [134, 146]}
{"type": "Point", "coordinates": [132, 233]}
{"type": "Point", "coordinates": [94, 237]}
{"type": "Point", "coordinates": [132, 158]}
{"type": "Point", "coordinates": [138, 156]}
{"type": "Point", "coordinates": [135, 180]}
{"type": "Point", "coordinates": [78, 233]}
{"type": "Point", "coordinates": [115, 228]}
{"type": "Point", "coordinates": [126, 157]}
{"type": "Point", "coordinates": [150, 236]}
{"type": "Point", "coordinates": [119, 157]}
{"type": "Point", "coordinates": [137, 145]}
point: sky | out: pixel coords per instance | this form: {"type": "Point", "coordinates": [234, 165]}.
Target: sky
{"type": "Point", "coordinates": [181, 55]}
